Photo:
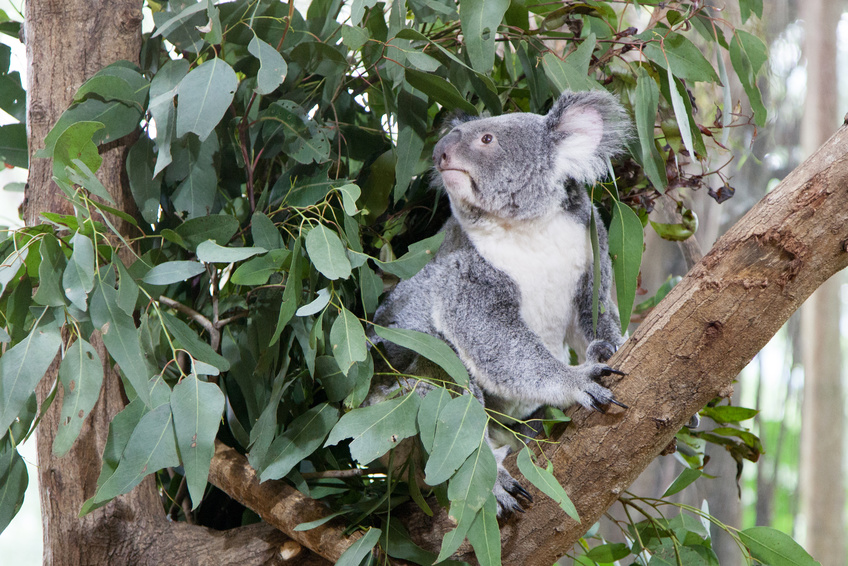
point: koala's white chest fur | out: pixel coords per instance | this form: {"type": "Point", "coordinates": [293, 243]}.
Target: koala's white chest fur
{"type": "Point", "coordinates": [546, 258]}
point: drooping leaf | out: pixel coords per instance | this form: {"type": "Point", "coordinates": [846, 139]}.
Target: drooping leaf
{"type": "Point", "coordinates": [13, 145]}
{"type": "Point", "coordinates": [265, 234]}
{"type": "Point", "coordinates": [609, 553]}
{"type": "Point", "coordinates": [474, 480]}
{"type": "Point", "coordinates": [680, 113]}
{"type": "Point", "coordinates": [573, 72]}
{"type": "Point", "coordinates": [218, 227]}
{"type": "Point", "coordinates": [625, 246]}
{"type": "Point", "coordinates": [464, 517]}
{"type": "Point", "coordinates": [75, 142]}
{"type": "Point", "coordinates": [78, 277]}
{"type": "Point", "coordinates": [185, 337]}
{"type": "Point", "coordinates": [272, 70]}
{"type": "Point", "coordinates": [378, 428]}
{"type": "Point", "coordinates": [163, 89]}
{"type": "Point", "coordinates": [145, 186]}
{"type": "Point", "coordinates": [204, 94]}
{"type": "Point", "coordinates": [13, 483]}
{"type": "Point", "coordinates": [195, 195]}
{"type": "Point", "coordinates": [546, 483]}
{"type": "Point", "coordinates": [197, 407]}
{"type": "Point", "coordinates": [439, 90]}
{"type": "Point", "coordinates": [729, 414]}
{"type": "Point", "coordinates": [21, 368]}
{"type": "Point", "coordinates": [258, 270]}
{"type": "Point", "coordinates": [50, 272]}
{"type": "Point", "coordinates": [321, 300]}
{"type": "Point", "coordinates": [480, 20]}
{"type": "Point", "coordinates": [327, 253]}
{"type": "Point", "coordinates": [647, 103]}
{"type": "Point", "coordinates": [747, 55]}
{"type": "Point", "coordinates": [151, 447]}
{"type": "Point", "coordinates": [685, 58]}
{"type": "Point", "coordinates": [428, 415]}
{"type": "Point", "coordinates": [347, 339]}
{"type": "Point", "coordinates": [458, 431]}
{"type": "Point", "coordinates": [428, 346]}
{"type": "Point", "coordinates": [770, 546]}
{"type": "Point", "coordinates": [485, 535]}
{"type": "Point", "coordinates": [303, 436]}
{"type": "Point", "coordinates": [120, 336]}
{"type": "Point", "coordinates": [81, 374]}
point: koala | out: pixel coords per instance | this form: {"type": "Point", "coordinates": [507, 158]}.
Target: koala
{"type": "Point", "coordinates": [510, 289]}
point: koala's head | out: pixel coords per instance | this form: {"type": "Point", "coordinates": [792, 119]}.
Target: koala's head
{"type": "Point", "coordinates": [517, 166]}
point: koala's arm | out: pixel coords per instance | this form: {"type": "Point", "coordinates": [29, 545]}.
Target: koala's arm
{"type": "Point", "coordinates": [477, 311]}
{"type": "Point", "coordinates": [606, 337]}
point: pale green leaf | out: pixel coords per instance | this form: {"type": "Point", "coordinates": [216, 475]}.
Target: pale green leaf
{"type": "Point", "coordinates": [13, 483]}
{"type": "Point", "coordinates": [474, 480]}
{"type": "Point", "coordinates": [272, 70]}
{"type": "Point", "coordinates": [684, 57]}
{"type": "Point", "coordinates": [485, 535]}
{"type": "Point", "coordinates": [197, 407]}
{"type": "Point", "coordinates": [173, 272]}
{"type": "Point", "coordinates": [210, 252]}
{"type": "Point", "coordinates": [625, 248]}
{"type": "Point", "coordinates": [303, 436]}
{"type": "Point", "coordinates": [419, 254]}
{"type": "Point", "coordinates": [347, 340]}
{"type": "Point", "coordinates": [378, 428]}
{"type": "Point", "coordinates": [265, 234]}
{"type": "Point", "coordinates": [357, 552]}
{"type": "Point", "coordinates": [546, 483]}
{"type": "Point", "coordinates": [647, 103]}
{"type": "Point", "coordinates": [204, 96]}
{"type": "Point", "coordinates": [771, 546]}
{"type": "Point", "coordinates": [480, 20]}
{"type": "Point", "coordinates": [327, 253]}
{"type": "Point", "coordinates": [78, 278]}
{"type": "Point", "coordinates": [458, 431]}
{"type": "Point", "coordinates": [81, 375]}
{"type": "Point", "coordinates": [428, 346]}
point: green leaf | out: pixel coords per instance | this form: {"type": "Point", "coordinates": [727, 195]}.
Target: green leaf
{"type": "Point", "coordinates": [11, 266]}
{"type": "Point", "coordinates": [116, 82]}
{"type": "Point", "coordinates": [13, 483]}
{"type": "Point", "coordinates": [684, 57]}
{"type": "Point", "coordinates": [22, 367]}
{"type": "Point", "coordinates": [546, 483]}
{"type": "Point", "coordinates": [146, 188]}
{"type": "Point", "coordinates": [163, 89]}
{"type": "Point", "coordinates": [174, 22]}
{"type": "Point", "coordinates": [771, 546]}
{"type": "Point", "coordinates": [127, 289]}
{"type": "Point", "coordinates": [464, 517]}
{"type": "Point", "coordinates": [291, 294]}
{"type": "Point", "coordinates": [608, 553]}
{"type": "Point", "coordinates": [186, 338]}
{"type": "Point", "coordinates": [78, 278]}
{"type": "Point", "coordinates": [197, 407]}
{"type": "Point", "coordinates": [747, 55]}
{"type": "Point", "coordinates": [474, 480]}
{"type": "Point", "coordinates": [50, 272]}
{"type": "Point", "coordinates": [419, 254]}
{"type": "Point", "coordinates": [682, 481]}
{"type": "Point", "coordinates": [13, 145]}
{"type": "Point", "coordinates": [81, 175]}
{"type": "Point", "coordinates": [729, 414]}
{"type": "Point", "coordinates": [317, 522]}
{"type": "Point", "coordinates": [321, 300]}
{"type": "Point", "coordinates": [485, 535]}
{"type": "Point", "coordinates": [264, 233]}
{"type": "Point", "coordinates": [378, 428]}
{"type": "Point", "coordinates": [439, 90]}
{"type": "Point", "coordinates": [647, 103]}
{"type": "Point", "coordinates": [428, 415]}
{"type": "Point", "coordinates": [218, 227]}
{"type": "Point", "coordinates": [118, 118]}
{"type": "Point", "coordinates": [120, 336]}
{"type": "Point", "coordinates": [573, 72]}
{"type": "Point", "coordinates": [173, 272]}
{"type": "Point", "coordinates": [354, 37]}
{"type": "Point", "coordinates": [195, 195]}
{"type": "Point", "coordinates": [350, 193]}
{"type": "Point", "coordinates": [680, 113]}
{"type": "Point", "coordinates": [347, 338]}
{"type": "Point", "coordinates": [81, 374]}
{"type": "Point", "coordinates": [204, 96]}
{"type": "Point", "coordinates": [303, 436]}
{"type": "Point", "coordinates": [428, 346]}
{"type": "Point", "coordinates": [75, 143]}
{"type": "Point", "coordinates": [625, 248]}
{"type": "Point", "coordinates": [458, 431]}
{"type": "Point", "coordinates": [259, 269]}
{"type": "Point", "coordinates": [272, 70]}
{"type": "Point", "coordinates": [303, 140]}
{"type": "Point", "coordinates": [151, 447]}
{"type": "Point", "coordinates": [480, 20]}
{"type": "Point", "coordinates": [327, 253]}
{"type": "Point", "coordinates": [357, 552]}
{"type": "Point", "coordinates": [210, 252]}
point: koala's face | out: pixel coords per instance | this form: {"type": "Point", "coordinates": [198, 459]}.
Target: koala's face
{"type": "Point", "coordinates": [515, 166]}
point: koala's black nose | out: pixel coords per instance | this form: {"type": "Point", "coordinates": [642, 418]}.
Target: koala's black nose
{"type": "Point", "coordinates": [441, 153]}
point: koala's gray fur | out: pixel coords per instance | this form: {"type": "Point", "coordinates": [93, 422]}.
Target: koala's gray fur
{"type": "Point", "coordinates": [511, 286]}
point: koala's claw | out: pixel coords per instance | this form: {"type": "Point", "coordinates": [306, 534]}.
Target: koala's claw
{"type": "Point", "coordinates": [518, 490]}
{"type": "Point", "coordinates": [620, 404]}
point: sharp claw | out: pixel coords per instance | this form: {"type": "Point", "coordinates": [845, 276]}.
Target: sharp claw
{"type": "Point", "coordinates": [518, 508]}
{"type": "Point", "coordinates": [598, 407]}
{"type": "Point", "coordinates": [518, 490]}
{"type": "Point", "coordinates": [610, 371]}
{"type": "Point", "coordinates": [622, 405]}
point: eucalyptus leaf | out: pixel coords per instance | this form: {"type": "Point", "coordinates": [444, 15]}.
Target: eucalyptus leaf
{"type": "Point", "coordinates": [210, 252]}
{"type": "Point", "coordinates": [273, 67]}
{"type": "Point", "coordinates": [347, 339]}
{"type": "Point", "coordinates": [625, 248]}
{"type": "Point", "coordinates": [458, 431]}
{"type": "Point", "coordinates": [327, 253]}
{"type": "Point", "coordinates": [303, 436]}
{"type": "Point", "coordinates": [173, 272]}
{"type": "Point", "coordinates": [546, 483]}
{"type": "Point", "coordinates": [81, 375]}
{"type": "Point", "coordinates": [78, 277]}
{"type": "Point", "coordinates": [428, 346]}
{"type": "Point", "coordinates": [204, 94]}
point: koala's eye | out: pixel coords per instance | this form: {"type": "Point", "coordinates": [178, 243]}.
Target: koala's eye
{"type": "Point", "coordinates": [487, 139]}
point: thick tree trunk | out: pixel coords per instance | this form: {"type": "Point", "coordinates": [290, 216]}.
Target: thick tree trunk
{"type": "Point", "coordinates": [67, 42]}
{"type": "Point", "coordinates": [822, 484]}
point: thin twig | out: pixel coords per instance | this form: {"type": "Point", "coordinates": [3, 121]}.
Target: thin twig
{"type": "Point", "coordinates": [340, 474]}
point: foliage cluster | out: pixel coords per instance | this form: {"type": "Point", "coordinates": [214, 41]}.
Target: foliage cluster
{"type": "Point", "coordinates": [280, 174]}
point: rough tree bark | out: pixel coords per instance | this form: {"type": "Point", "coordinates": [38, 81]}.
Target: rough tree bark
{"type": "Point", "coordinates": [822, 485]}
{"type": "Point", "coordinates": [67, 42]}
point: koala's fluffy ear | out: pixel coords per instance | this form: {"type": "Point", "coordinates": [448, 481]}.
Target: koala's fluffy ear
{"type": "Point", "coordinates": [586, 128]}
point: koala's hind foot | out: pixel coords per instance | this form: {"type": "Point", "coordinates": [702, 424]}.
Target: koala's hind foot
{"type": "Point", "coordinates": [592, 395]}
{"type": "Point", "coordinates": [507, 492]}
{"type": "Point", "coordinates": [600, 351]}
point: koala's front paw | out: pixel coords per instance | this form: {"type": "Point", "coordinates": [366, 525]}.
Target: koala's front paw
{"type": "Point", "coordinates": [507, 490]}
{"type": "Point", "coordinates": [600, 351]}
{"type": "Point", "coordinates": [593, 395]}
